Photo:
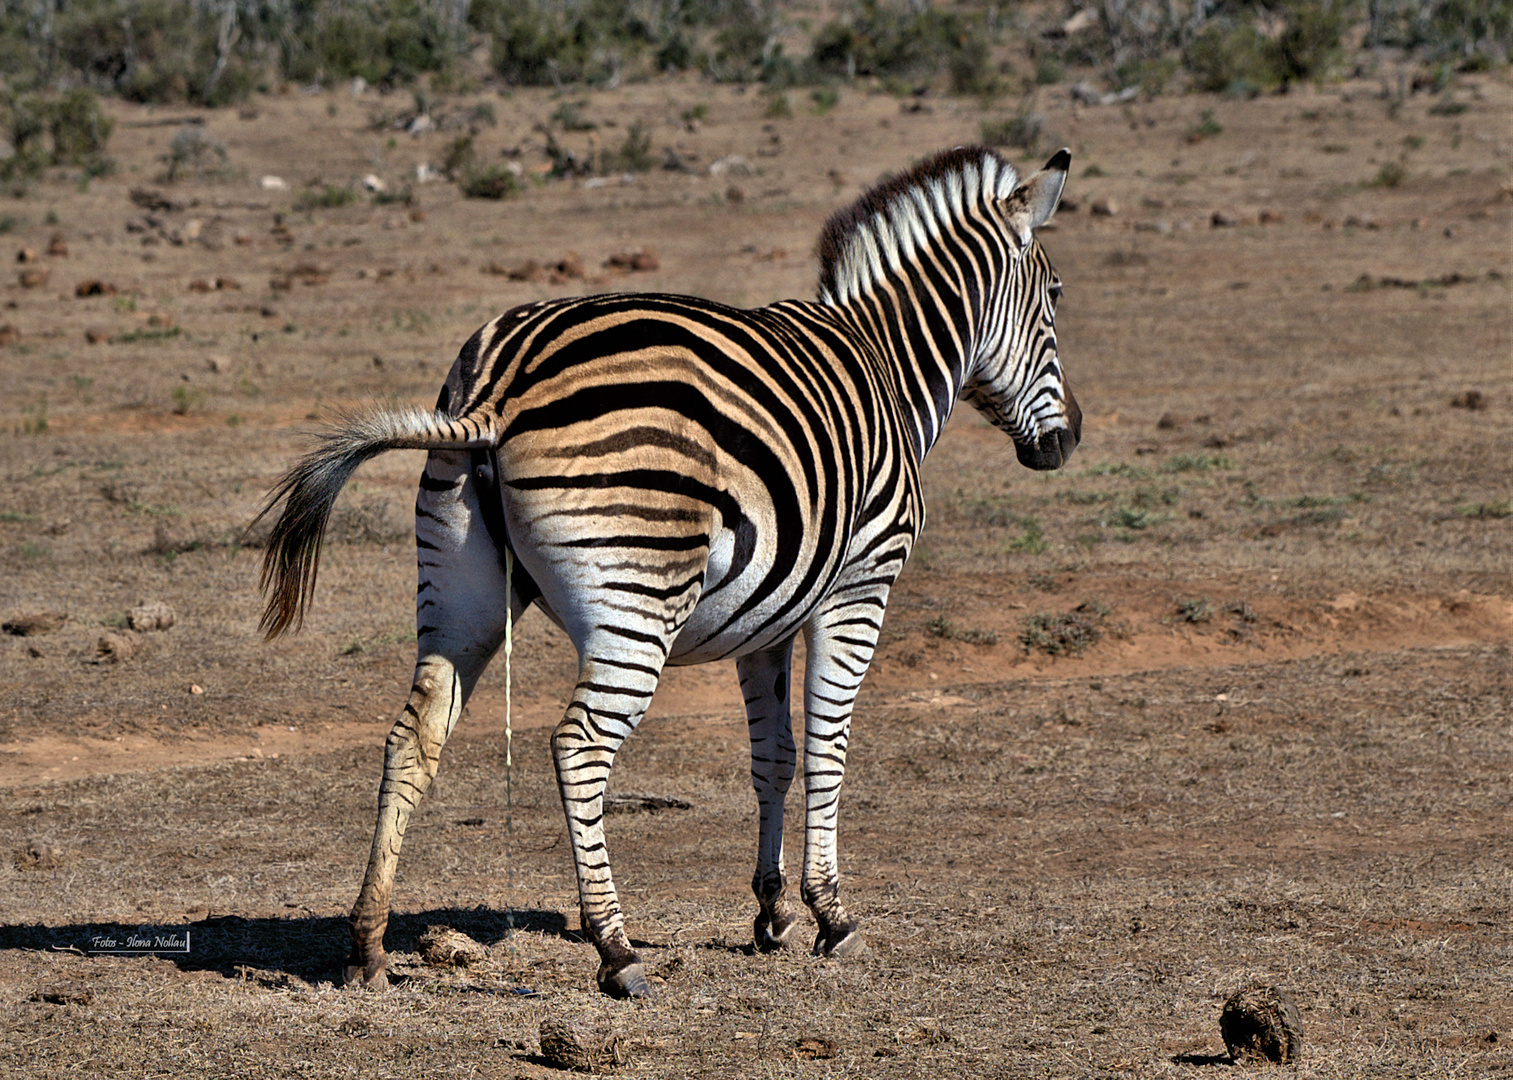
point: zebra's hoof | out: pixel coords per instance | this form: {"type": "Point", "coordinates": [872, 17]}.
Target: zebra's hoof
{"type": "Point", "coordinates": [845, 943]}
{"type": "Point", "coordinates": [772, 934]}
{"type": "Point", "coordinates": [374, 976]}
{"type": "Point", "coordinates": [627, 981]}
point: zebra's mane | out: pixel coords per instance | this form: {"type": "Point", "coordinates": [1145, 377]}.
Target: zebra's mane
{"type": "Point", "coordinates": [886, 226]}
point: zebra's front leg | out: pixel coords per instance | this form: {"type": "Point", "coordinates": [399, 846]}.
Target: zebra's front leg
{"type": "Point", "coordinates": [840, 643]}
{"type": "Point", "coordinates": [608, 703]}
{"type": "Point", "coordinates": [765, 681]}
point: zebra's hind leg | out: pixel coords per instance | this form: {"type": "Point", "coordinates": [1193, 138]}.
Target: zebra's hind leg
{"type": "Point", "coordinates": [461, 600]}
{"type": "Point", "coordinates": [765, 681]}
{"type": "Point", "coordinates": [608, 703]}
{"type": "Point", "coordinates": [839, 645]}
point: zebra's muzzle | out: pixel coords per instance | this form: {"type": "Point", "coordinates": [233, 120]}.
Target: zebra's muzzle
{"type": "Point", "coordinates": [1053, 447]}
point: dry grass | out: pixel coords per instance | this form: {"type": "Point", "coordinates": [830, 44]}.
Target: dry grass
{"type": "Point", "coordinates": [1290, 763]}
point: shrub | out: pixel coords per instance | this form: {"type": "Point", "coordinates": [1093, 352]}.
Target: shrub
{"type": "Point", "coordinates": [192, 151]}
{"type": "Point", "coordinates": [328, 197]}
{"type": "Point", "coordinates": [899, 41]}
{"type": "Point", "coordinates": [1225, 56]}
{"type": "Point", "coordinates": [493, 182]}
{"type": "Point", "coordinates": [634, 154]}
{"type": "Point", "coordinates": [43, 131]}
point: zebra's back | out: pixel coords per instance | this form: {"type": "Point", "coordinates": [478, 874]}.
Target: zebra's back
{"type": "Point", "coordinates": [719, 461]}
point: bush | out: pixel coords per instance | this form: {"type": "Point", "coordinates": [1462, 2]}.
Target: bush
{"type": "Point", "coordinates": [1225, 56]}
{"type": "Point", "coordinates": [43, 131]}
{"type": "Point", "coordinates": [493, 182]}
{"type": "Point", "coordinates": [892, 40]}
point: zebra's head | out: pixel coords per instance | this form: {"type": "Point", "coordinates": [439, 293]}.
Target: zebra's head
{"type": "Point", "coordinates": [1016, 379]}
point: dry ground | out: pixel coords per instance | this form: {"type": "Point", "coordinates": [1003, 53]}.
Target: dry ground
{"type": "Point", "coordinates": [1284, 757]}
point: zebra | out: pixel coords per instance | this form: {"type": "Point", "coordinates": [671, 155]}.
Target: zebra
{"type": "Point", "coordinates": [674, 481]}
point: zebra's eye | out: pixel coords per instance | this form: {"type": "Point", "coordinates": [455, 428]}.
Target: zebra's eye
{"type": "Point", "coordinates": [1055, 291]}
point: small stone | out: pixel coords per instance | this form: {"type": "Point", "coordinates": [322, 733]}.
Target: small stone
{"type": "Point", "coordinates": [1223, 219]}
{"type": "Point", "coordinates": [96, 335]}
{"type": "Point", "coordinates": [33, 277]}
{"type": "Point", "coordinates": [26, 255]}
{"type": "Point", "coordinates": [57, 247]}
{"type": "Point", "coordinates": [1169, 421]}
{"type": "Point", "coordinates": [9, 335]}
{"type": "Point", "coordinates": [196, 689]}
{"type": "Point", "coordinates": [94, 287]}
{"type": "Point", "coordinates": [1104, 206]}
{"type": "Point", "coordinates": [217, 364]}
{"type": "Point", "coordinates": [734, 195]}
{"type": "Point", "coordinates": [1261, 1023]}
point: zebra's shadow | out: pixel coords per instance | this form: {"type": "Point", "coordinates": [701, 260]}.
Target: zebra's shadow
{"type": "Point", "coordinates": [306, 947]}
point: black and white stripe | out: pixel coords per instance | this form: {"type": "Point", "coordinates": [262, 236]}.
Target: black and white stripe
{"type": "Point", "coordinates": [681, 481]}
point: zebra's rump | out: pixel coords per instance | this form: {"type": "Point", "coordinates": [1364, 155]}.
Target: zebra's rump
{"type": "Point", "coordinates": [668, 454]}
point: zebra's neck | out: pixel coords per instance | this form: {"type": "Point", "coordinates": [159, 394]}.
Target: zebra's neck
{"type": "Point", "coordinates": [910, 265]}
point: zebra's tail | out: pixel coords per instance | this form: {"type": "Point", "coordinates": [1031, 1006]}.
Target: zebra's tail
{"type": "Point", "coordinates": [309, 490]}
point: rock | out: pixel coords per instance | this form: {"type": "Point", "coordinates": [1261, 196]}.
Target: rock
{"type": "Point", "coordinates": [273, 183]}
{"type": "Point", "coordinates": [155, 201]}
{"type": "Point", "coordinates": [1261, 1023]}
{"type": "Point", "coordinates": [372, 183]}
{"type": "Point", "coordinates": [200, 285]}
{"type": "Point", "coordinates": [566, 1046]}
{"type": "Point", "coordinates": [33, 277]}
{"type": "Point", "coordinates": [441, 946]}
{"type": "Point", "coordinates": [26, 255]}
{"type": "Point", "coordinates": [150, 615]}
{"type": "Point", "coordinates": [730, 165]}
{"type": "Point", "coordinates": [1169, 421]}
{"type": "Point", "coordinates": [94, 287]}
{"type": "Point", "coordinates": [9, 335]}
{"type": "Point", "coordinates": [643, 259]}
{"type": "Point", "coordinates": [217, 364]}
{"type": "Point", "coordinates": [734, 195]}
{"type": "Point", "coordinates": [40, 622]}
{"type": "Point", "coordinates": [1104, 206]}
{"type": "Point", "coordinates": [96, 335]}
{"type": "Point", "coordinates": [1223, 219]}
{"type": "Point", "coordinates": [113, 648]}
{"type": "Point", "coordinates": [1084, 93]}
{"type": "Point", "coordinates": [1471, 400]}
{"type": "Point", "coordinates": [57, 247]}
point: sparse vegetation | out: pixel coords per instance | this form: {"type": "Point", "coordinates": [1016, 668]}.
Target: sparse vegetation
{"type": "Point", "coordinates": [1068, 633]}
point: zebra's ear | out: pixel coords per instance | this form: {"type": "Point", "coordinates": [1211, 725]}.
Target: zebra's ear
{"type": "Point", "coordinates": [1033, 202]}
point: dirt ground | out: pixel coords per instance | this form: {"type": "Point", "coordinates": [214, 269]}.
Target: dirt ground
{"type": "Point", "coordinates": [1227, 699]}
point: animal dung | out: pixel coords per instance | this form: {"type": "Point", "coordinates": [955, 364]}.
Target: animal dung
{"type": "Point", "coordinates": [114, 648]}
{"type": "Point", "coordinates": [1261, 1023]}
{"type": "Point", "coordinates": [38, 622]}
{"type": "Point", "coordinates": [441, 946]}
{"type": "Point", "coordinates": [566, 1046]}
{"type": "Point", "coordinates": [150, 615]}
